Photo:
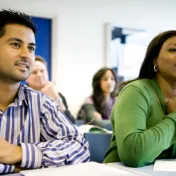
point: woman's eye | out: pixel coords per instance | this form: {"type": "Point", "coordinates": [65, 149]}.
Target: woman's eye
{"type": "Point", "coordinates": [104, 79]}
{"type": "Point", "coordinates": [172, 49]}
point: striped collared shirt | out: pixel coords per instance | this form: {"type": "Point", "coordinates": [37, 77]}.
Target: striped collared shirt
{"type": "Point", "coordinates": [45, 134]}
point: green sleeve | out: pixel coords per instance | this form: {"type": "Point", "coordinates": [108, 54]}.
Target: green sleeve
{"type": "Point", "coordinates": [138, 145]}
{"type": "Point", "coordinates": [89, 110]}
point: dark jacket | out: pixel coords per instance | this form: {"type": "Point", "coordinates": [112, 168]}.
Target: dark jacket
{"type": "Point", "coordinates": [67, 112]}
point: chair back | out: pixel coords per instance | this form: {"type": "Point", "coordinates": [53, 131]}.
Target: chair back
{"type": "Point", "coordinates": [98, 145]}
{"type": "Point", "coordinates": [79, 122]}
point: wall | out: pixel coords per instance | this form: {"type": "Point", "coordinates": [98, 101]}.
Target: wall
{"type": "Point", "coordinates": [78, 34]}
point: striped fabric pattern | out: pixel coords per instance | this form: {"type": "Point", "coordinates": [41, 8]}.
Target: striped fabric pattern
{"type": "Point", "coordinates": [45, 134]}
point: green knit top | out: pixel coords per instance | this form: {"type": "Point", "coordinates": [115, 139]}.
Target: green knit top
{"type": "Point", "coordinates": [142, 130]}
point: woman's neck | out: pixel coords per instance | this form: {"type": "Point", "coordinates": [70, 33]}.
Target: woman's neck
{"type": "Point", "coordinates": [107, 97]}
{"type": "Point", "coordinates": [168, 87]}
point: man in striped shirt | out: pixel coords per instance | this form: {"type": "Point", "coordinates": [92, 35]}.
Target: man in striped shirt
{"type": "Point", "coordinates": [34, 132]}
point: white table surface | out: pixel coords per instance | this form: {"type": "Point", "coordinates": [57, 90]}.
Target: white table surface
{"type": "Point", "coordinates": [95, 169]}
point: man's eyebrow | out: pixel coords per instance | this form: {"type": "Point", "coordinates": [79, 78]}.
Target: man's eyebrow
{"type": "Point", "coordinates": [33, 44]}
{"type": "Point", "coordinates": [19, 40]}
{"type": "Point", "coordinates": [15, 39]}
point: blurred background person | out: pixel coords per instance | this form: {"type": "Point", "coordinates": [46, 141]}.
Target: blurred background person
{"type": "Point", "coordinates": [96, 109]}
{"type": "Point", "coordinates": [39, 80]}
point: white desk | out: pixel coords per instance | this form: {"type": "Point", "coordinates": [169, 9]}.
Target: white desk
{"type": "Point", "coordinates": [95, 169]}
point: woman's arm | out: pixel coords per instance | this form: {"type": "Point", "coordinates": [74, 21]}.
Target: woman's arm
{"type": "Point", "coordinates": [137, 144]}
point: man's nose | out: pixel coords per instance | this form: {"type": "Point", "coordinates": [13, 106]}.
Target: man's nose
{"type": "Point", "coordinates": [39, 74]}
{"type": "Point", "coordinates": [25, 53]}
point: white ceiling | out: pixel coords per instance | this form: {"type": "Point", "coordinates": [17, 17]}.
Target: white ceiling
{"type": "Point", "coordinates": [51, 8]}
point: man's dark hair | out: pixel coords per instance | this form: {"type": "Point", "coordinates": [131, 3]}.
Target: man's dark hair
{"type": "Point", "coordinates": [15, 17]}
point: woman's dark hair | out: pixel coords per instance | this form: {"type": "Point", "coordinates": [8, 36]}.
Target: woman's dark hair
{"type": "Point", "coordinates": [98, 96]}
{"type": "Point", "coordinates": [15, 17]}
{"type": "Point", "coordinates": [153, 50]}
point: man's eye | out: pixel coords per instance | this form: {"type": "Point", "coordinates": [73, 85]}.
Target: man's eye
{"type": "Point", "coordinates": [16, 45]}
{"type": "Point", "coordinates": [34, 72]}
{"type": "Point", "coordinates": [31, 48]}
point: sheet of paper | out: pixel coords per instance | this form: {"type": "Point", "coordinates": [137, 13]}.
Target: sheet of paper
{"type": "Point", "coordinates": [142, 171]}
{"type": "Point", "coordinates": [85, 169]}
{"type": "Point", "coordinates": [168, 165]}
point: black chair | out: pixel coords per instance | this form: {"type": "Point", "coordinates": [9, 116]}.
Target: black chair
{"type": "Point", "coordinates": [98, 145]}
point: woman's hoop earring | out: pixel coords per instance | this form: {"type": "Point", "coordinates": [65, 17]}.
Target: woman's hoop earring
{"type": "Point", "coordinates": [155, 68]}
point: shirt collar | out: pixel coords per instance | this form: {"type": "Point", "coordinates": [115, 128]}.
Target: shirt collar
{"type": "Point", "coordinates": [21, 95]}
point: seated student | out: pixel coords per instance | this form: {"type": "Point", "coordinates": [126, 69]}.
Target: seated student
{"type": "Point", "coordinates": [39, 80]}
{"type": "Point", "coordinates": [34, 132]}
{"type": "Point", "coordinates": [97, 107]}
{"type": "Point", "coordinates": [144, 116]}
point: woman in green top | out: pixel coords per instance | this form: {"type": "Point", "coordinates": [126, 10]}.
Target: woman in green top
{"type": "Point", "coordinates": [144, 116]}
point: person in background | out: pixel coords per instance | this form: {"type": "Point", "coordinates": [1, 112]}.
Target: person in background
{"type": "Point", "coordinates": [39, 80]}
{"type": "Point", "coordinates": [144, 116]}
{"type": "Point", "coordinates": [34, 132]}
{"type": "Point", "coordinates": [96, 109]}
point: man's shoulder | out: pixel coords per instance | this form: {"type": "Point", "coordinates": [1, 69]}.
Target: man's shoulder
{"type": "Point", "coordinates": [35, 96]}
{"type": "Point", "coordinates": [29, 90]}
{"type": "Point", "coordinates": [31, 94]}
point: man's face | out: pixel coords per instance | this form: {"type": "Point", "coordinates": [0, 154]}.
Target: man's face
{"type": "Point", "coordinates": [17, 53]}
{"type": "Point", "coordinates": [39, 76]}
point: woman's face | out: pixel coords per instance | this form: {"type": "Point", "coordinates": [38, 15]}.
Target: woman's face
{"type": "Point", "coordinates": [166, 60]}
{"type": "Point", "coordinates": [107, 82]}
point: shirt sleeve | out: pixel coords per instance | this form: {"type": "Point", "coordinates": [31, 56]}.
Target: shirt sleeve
{"type": "Point", "coordinates": [62, 144]}
{"type": "Point", "coordinates": [6, 168]}
{"type": "Point", "coordinates": [137, 144]}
